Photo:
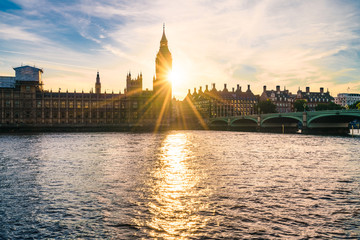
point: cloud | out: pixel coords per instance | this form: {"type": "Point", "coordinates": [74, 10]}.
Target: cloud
{"type": "Point", "coordinates": [8, 32]}
{"type": "Point", "coordinates": [277, 42]}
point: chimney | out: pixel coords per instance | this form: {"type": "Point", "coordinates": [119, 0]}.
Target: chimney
{"type": "Point", "coordinates": [213, 85]}
{"type": "Point", "coordinates": [237, 87]}
{"type": "Point", "coordinates": [249, 87]}
{"type": "Point", "coordinates": [189, 92]}
{"type": "Point", "coordinates": [194, 90]}
{"type": "Point", "coordinates": [200, 89]}
{"type": "Point", "coordinates": [224, 86]}
{"type": "Point", "coordinates": [206, 88]}
{"type": "Point", "coordinates": [307, 89]}
{"type": "Point", "coordinates": [278, 88]}
{"type": "Point", "coordinates": [233, 89]}
{"type": "Point", "coordinates": [240, 88]}
{"type": "Point", "coordinates": [264, 88]}
{"type": "Point", "coordinates": [321, 90]}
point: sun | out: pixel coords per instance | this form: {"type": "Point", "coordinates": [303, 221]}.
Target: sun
{"type": "Point", "coordinates": [174, 77]}
{"type": "Point", "coordinates": [177, 75]}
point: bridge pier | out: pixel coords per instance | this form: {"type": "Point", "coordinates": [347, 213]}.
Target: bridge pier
{"type": "Point", "coordinates": [304, 127]}
{"type": "Point", "coordinates": [258, 127]}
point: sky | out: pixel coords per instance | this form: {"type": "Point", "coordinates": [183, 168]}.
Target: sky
{"type": "Point", "coordinates": [293, 44]}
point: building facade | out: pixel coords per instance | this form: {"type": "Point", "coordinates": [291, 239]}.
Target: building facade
{"type": "Point", "coordinates": [220, 103]}
{"type": "Point", "coordinates": [282, 99]}
{"type": "Point", "coordinates": [312, 99]}
{"type": "Point", "coordinates": [347, 99]}
{"type": "Point", "coordinates": [23, 101]}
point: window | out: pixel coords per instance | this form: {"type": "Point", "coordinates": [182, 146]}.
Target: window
{"type": "Point", "coordinates": [71, 104]}
{"type": "Point", "coordinates": [27, 88]}
{"type": "Point", "coordinates": [7, 103]}
{"type": "Point", "coordinates": [78, 104]}
{"type": "Point", "coordinates": [63, 104]}
{"type": "Point", "coordinates": [38, 103]}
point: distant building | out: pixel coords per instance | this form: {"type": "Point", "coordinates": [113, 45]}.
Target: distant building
{"type": "Point", "coordinates": [23, 101]}
{"type": "Point", "coordinates": [282, 99]}
{"type": "Point", "coordinates": [314, 98]}
{"type": "Point", "coordinates": [216, 103]}
{"type": "Point", "coordinates": [347, 99]}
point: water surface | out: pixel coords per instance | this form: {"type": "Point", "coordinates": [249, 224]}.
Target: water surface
{"type": "Point", "coordinates": [179, 185]}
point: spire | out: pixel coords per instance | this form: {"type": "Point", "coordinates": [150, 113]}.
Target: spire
{"type": "Point", "coordinates": [97, 84]}
{"type": "Point", "coordinates": [97, 77]}
{"type": "Point", "coordinates": [163, 40]}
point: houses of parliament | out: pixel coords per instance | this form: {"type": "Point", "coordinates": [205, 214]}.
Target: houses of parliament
{"type": "Point", "coordinates": [24, 102]}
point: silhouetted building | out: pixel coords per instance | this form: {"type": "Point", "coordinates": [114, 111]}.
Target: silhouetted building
{"type": "Point", "coordinates": [214, 103]}
{"type": "Point", "coordinates": [162, 83]}
{"type": "Point", "coordinates": [24, 102]}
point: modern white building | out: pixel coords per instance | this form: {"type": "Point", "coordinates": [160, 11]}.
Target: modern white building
{"type": "Point", "coordinates": [348, 99]}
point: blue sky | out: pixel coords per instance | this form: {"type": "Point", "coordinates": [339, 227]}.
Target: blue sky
{"type": "Point", "coordinates": [294, 43]}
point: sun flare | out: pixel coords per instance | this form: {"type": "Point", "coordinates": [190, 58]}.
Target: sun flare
{"type": "Point", "coordinates": [174, 77]}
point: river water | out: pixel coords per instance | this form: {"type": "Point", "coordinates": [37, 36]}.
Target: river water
{"type": "Point", "coordinates": [179, 185]}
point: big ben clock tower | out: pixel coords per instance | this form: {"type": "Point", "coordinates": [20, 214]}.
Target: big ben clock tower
{"type": "Point", "coordinates": [162, 83]}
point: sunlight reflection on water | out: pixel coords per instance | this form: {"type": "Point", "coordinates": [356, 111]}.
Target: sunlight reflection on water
{"type": "Point", "coordinates": [175, 207]}
{"type": "Point", "coordinates": [179, 185]}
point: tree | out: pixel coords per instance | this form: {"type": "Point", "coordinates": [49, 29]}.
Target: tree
{"type": "Point", "coordinates": [299, 105]}
{"type": "Point", "coordinates": [355, 105]}
{"type": "Point", "coordinates": [265, 107]}
{"type": "Point", "coordinates": [328, 106]}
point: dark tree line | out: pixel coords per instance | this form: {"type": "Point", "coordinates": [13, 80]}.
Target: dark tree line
{"type": "Point", "coordinates": [265, 107]}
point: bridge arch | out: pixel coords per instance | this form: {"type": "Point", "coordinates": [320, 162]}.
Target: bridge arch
{"type": "Point", "coordinates": [282, 119]}
{"type": "Point", "coordinates": [243, 121]}
{"type": "Point", "coordinates": [333, 118]}
{"type": "Point", "coordinates": [219, 122]}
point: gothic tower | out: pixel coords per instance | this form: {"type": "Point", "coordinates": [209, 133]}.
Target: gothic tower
{"type": "Point", "coordinates": [97, 84]}
{"type": "Point", "coordinates": [162, 83]}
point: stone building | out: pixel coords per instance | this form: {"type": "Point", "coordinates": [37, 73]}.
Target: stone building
{"type": "Point", "coordinates": [314, 98]}
{"type": "Point", "coordinates": [221, 103]}
{"type": "Point", "coordinates": [24, 102]}
{"type": "Point", "coordinates": [282, 99]}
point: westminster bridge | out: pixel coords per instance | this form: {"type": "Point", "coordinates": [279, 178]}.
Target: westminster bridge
{"type": "Point", "coordinates": [330, 121]}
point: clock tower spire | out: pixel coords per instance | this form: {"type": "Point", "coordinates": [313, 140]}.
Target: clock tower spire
{"type": "Point", "coordinates": [162, 84]}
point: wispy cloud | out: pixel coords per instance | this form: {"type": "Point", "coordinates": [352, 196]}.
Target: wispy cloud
{"type": "Point", "coordinates": [277, 42]}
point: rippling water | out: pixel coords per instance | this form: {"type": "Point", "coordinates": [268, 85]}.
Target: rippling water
{"type": "Point", "coordinates": [179, 185]}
